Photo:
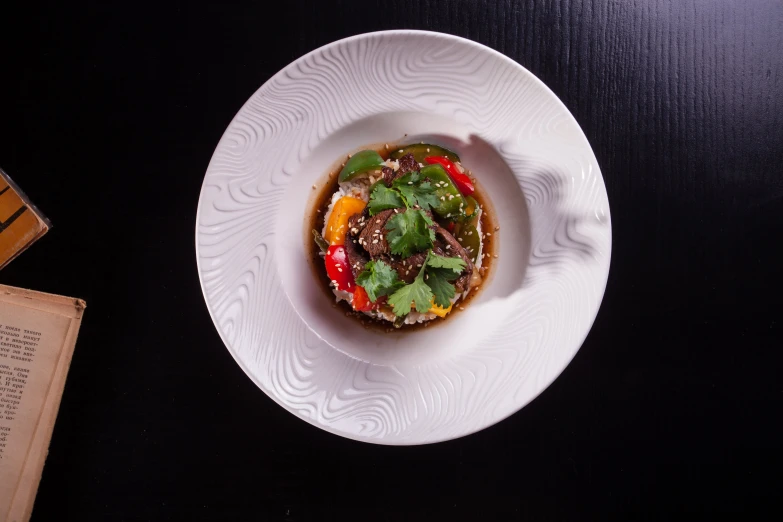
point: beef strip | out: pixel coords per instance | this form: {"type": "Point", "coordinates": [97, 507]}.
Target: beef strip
{"type": "Point", "coordinates": [407, 269]}
{"type": "Point", "coordinates": [407, 164]}
{"type": "Point", "coordinates": [388, 175]}
{"type": "Point", "coordinates": [375, 242]}
{"type": "Point", "coordinates": [356, 255]}
{"type": "Point", "coordinates": [444, 239]}
{"type": "Point", "coordinates": [357, 222]}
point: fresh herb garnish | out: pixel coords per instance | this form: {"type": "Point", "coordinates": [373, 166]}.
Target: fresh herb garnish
{"type": "Point", "coordinates": [409, 232]}
{"type": "Point", "coordinates": [378, 279]}
{"type": "Point", "coordinates": [431, 285]}
{"type": "Point", "coordinates": [407, 191]}
{"type": "Point", "coordinates": [384, 198]}
{"type": "Point", "coordinates": [416, 192]}
{"type": "Point", "coordinates": [417, 294]}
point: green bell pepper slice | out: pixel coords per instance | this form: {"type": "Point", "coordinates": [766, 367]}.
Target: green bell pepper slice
{"type": "Point", "coordinates": [468, 237]}
{"type": "Point", "coordinates": [450, 200]}
{"type": "Point", "coordinates": [423, 150]}
{"type": "Point", "coordinates": [359, 163]}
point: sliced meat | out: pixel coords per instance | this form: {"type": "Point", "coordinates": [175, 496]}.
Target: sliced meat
{"type": "Point", "coordinates": [357, 222]}
{"type": "Point", "coordinates": [388, 175]}
{"type": "Point", "coordinates": [407, 164]}
{"type": "Point", "coordinates": [408, 268]}
{"type": "Point", "coordinates": [373, 235]}
{"type": "Point", "coordinates": [356, 255]}
{"type": "Point", "coordinates": [450, 247]}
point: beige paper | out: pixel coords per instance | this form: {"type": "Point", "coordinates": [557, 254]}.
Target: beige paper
{"type": "Point", "coordinates": [37, 335]}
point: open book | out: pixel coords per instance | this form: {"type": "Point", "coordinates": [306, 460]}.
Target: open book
{"type": "Point", "coordinates": [37, 335]}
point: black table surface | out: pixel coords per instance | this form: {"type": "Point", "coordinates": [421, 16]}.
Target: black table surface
{"type": "Point", "coordinates": [109, 116]}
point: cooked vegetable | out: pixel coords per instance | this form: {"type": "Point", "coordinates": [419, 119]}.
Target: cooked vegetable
{"type": "Point", "coordinates": [468, 237]}
{"type": "Point", "coordinates": [439, 311]}
{"type": "Point", "coordinates": [422, 150]}
{"type": "Point", "coordinates": [320, 241]}
{"type": "Point", "coordinates": [378, 279]}
{"type": "Point", "coordinates": [345, 207]}
{"type": "Point", "coordinates": [338, 269]}
{"type": "Point", "coordinates": [450, 201]}
{"type": "Point", "coordinates": [463, 181]}
{"type": "Point", "coordinates": [359, 163]}
{"type": "Point", "coordinates": [470, 211]}
{"type": "Point", "coordinates": [409, 232]}
{"type": "Point", "coordinates": [361, 301]}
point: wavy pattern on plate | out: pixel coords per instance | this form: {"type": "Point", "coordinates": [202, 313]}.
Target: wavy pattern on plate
{"type": "Point", "coordinates": [544, 321]}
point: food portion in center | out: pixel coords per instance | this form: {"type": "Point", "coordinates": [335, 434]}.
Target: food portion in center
{"type": "Point", "coordinates": [402, 239]}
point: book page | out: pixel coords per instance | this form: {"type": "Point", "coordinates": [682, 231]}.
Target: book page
{"type": "Point", "coordinates": [37, 332]}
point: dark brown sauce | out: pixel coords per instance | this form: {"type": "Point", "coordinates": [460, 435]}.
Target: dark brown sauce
{"type": "Point", "coordinates": [315, 221]}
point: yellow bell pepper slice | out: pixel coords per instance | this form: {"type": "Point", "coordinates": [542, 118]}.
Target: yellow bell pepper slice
{"type": "Point", "coordinates": [440, 311]}
{"type": "Point", "coordinates": [337, 226]}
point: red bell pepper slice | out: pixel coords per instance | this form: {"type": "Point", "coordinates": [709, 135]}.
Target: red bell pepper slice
{"type": "Point", "coordinates": [462, 181]}
{"type": "Point", "coordinates": [338, 269]}
{"type": "Point", "coordinates": [361, 301]}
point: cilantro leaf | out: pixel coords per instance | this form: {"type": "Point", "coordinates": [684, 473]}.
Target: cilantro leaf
{"type": "Point", "coordinates": [409, 232]}
{"type": "Point", "coordinates": [456, 264]}
{"type": "Point", "coordinates": [384, 198]}
{"type": "Point", "coordinates": [442, 290]}
{"type": "Point", "coordinates": [417, 294]}
{"type": "Point", "coordinates": [378, 279]}
{"type": "Point", "coordinates": [416, 192]}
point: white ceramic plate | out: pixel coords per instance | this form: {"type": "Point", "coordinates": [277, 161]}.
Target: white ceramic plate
{"type": "Point", "coordinates": [471, 371]}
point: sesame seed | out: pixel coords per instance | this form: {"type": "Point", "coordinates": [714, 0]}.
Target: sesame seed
{"type": "Point", "coordinates": [343, 164]}
{"type": "Point", "coordinates": [443, 198]}
{"type": "Point", "coordinates": [374, 241]}
{"type": "Point", "coordinates": [377, 220]}
{"type": "Point", "coordinates": [451, 196]}
{"type": "Point", "coordinates": [319, 211]}
{"type": "Point", "coordinates": [410, 183]}
{"type": "Point", "coordinates": [460, 205]}
{"type": "Point", "coordinates": [495, 256]}
{"type": "Point", "coordinates": [400, 151]}
{"type": "Point", "coordinates": [377, 231]}
{"type": "Point", "coordinates": [427, 276]}
{"type": "Point", "coordinates": [354, 241]}
{"type": "Point", "coordinates": [448, 215]}
{"type": "Point", "coordinates": [448, 247]}
{"type": "Point", "coordinates": [497, 228]}
{"type": "Point", "coordinates": [387, 146]}
{"type": "Point", "coordinates": [470, 233]}
{"type": "Point", "coordinates": [339, 269]}
{"type": "Point", "coordinates": [395, 210]}
{"type": "Point", "coordinates": [314, 186]}
{"type": "Point", "coordinates": [419, 265]}
{"type": "Point", "coordinates": [489, 233]}
{"type": "Point", "coordinates": [461, 307]}
{"type": "Point", "coordinates": [459, 239]}
{"type": "Point", "coordinates": [421, 143]}
{"type": "Point", "coordinates": [337, 265]}
{"type": "Point", "coordinates": [349, 156]}
{"type": "Point", "coordinates": [428, 149]}
{"type": "Point", "coordinates": [407, 272]}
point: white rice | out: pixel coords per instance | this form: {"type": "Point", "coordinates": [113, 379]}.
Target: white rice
{"type": "Point", "coordinates": [360, 188]}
